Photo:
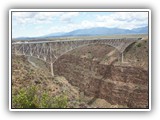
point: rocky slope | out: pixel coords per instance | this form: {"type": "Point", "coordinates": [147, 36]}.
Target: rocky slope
{"type": "Point", "coordinates": [26, 74]}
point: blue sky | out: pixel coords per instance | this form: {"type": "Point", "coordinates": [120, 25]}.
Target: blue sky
{"type": "Point", "coordinates": [32, 24]}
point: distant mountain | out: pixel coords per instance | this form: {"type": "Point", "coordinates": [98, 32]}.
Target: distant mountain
{"type": "Point", "coordinates": [54, 34]}
{"type": "Point", "coordinates": [140, 30]}
{"type": "Point", "coordinates": [95, 31]}
{"type": "Point", "coordinates": [23, 38]}
{"type": "Point", "coordinates": [105, 31]}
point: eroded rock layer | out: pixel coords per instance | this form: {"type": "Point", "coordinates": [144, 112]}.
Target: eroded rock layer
{"type": "Point", "coordinates": [122, 85]}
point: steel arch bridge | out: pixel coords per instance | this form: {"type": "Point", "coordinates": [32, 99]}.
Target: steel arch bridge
{"type": "Point", "coordinates": [50, 51]}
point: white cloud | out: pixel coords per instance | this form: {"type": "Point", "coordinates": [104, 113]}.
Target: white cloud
{"type": "Point", "coordinates": [32, 17]}
{"type": "Point", "coordinates": [129, 16]}
{"type": "Point", "coordinates": [128, 20]}
{"type": "Point", "coordinates": [67, 16]}
{"type": "Point", "coordinates": [46, 17]}
{"type": "Point", "coordinates": [42, 17]}
{"type": "Point", "coordinates": [24, 14]}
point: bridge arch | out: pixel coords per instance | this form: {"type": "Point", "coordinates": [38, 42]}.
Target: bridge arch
{"type": "Point", "coordinates": [56, 58]}
{"type": "Point", "coordinates": [81, 47]}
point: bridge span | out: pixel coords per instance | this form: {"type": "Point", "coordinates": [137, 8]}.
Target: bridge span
{"type": "Point", "coordinates": [50, 51]}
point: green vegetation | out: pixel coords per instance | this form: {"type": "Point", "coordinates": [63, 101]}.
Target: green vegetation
{"type": "Point", "coordinates": [32, 97]}
{"type": "Point", "coordinates": [139, 45]}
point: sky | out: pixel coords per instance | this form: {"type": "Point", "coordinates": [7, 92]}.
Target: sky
{"type": "Point", "coordinates": [33, 24]}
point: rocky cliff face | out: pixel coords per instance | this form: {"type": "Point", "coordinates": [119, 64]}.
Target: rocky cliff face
{"type": "Point", "coordinates": [120, 85]}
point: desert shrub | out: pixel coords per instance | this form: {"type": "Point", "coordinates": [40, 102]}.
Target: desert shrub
{"type": "Point", "coordinates": [139, 45]}
{"type": "Point", "coordinates": [60, 101]}
{"type": "Point", "coordinates": [32, 98]}
{"type": "Point", "coordinates": [25, 98]}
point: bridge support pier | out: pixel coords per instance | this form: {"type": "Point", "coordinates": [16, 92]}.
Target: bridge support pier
{"type": "Point", "coordinates": [122, 57]}
{"type": "Point", "coordinates": [52, 69]}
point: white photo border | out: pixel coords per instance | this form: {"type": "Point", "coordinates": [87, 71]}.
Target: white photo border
{"type": "Point", "coordinates": [79, 10]}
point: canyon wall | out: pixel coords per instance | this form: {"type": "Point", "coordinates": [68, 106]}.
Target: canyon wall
{"type": "Point", "coordinates": [122, 85]}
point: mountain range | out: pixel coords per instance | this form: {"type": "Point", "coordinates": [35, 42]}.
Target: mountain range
{"type": "Point", "coordinates": [95, 31]}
